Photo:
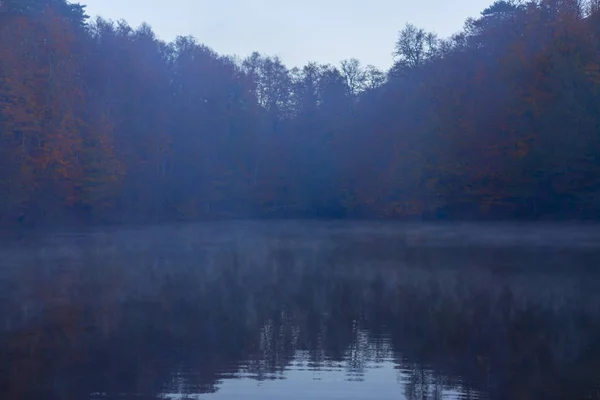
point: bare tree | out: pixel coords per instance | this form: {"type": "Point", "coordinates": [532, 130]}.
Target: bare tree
{"type": "Point", "coordinates": [374, 77]}
{"type": "Point", "coordinates": [592, 7]}
{"type": "Point", "coordinates": [355, 76]}
{"type": "Point", "coordinates": [414, 47]}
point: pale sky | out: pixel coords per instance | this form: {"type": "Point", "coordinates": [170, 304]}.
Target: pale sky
{"type": "Point", "coordinates": [325, 31]}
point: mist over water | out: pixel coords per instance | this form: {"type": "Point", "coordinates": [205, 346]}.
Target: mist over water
{"type": "Point", "coordinates": [301, 310]}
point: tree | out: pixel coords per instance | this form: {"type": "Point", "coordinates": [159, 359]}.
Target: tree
{"type": "Point", "coordinates": [414, 47]}
{"type": "Point", "coordinates": [355, 76]}
{"type": "Point", "coordinates": [102, 122]}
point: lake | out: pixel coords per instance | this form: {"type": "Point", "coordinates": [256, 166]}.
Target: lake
{"type": "Point", "coordinates": [298, 310]}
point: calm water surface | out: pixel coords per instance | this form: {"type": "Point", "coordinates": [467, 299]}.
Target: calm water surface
{"type": "Point", "coordinates": [278, 310]}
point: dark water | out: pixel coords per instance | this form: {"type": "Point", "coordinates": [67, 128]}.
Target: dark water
{"type": "Point", "coordinates": [303, 310]}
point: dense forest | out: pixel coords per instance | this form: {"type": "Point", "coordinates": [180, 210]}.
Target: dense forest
{"type": "Point", "coordinates": [104, 123]}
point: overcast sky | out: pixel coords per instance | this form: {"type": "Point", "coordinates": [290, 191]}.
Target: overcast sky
{"type": "Point", "coordinates": [298, 31]}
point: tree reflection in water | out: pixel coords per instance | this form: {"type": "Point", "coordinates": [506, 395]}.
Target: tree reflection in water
{"type": "Point", "coordinates": [137, 314]}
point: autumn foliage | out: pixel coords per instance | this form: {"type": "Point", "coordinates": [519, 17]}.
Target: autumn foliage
{"type": "Point", "coordinates": [100, 122]}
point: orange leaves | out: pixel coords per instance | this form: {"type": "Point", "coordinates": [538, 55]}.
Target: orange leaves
{"type": "Point", "coordinates": [45, 110]}
{"type": "Point", "coordinates": [101, 171]}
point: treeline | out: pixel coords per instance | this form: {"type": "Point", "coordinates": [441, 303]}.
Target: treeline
{"type": "Point", "coordinates": [100, 122]}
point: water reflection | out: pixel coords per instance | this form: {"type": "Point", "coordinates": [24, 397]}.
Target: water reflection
{"type": "Point", "coordinates": [297, 311]}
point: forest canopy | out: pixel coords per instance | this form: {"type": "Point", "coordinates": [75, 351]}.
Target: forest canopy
{"type": "Point", "coordinates": [104, 123]}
